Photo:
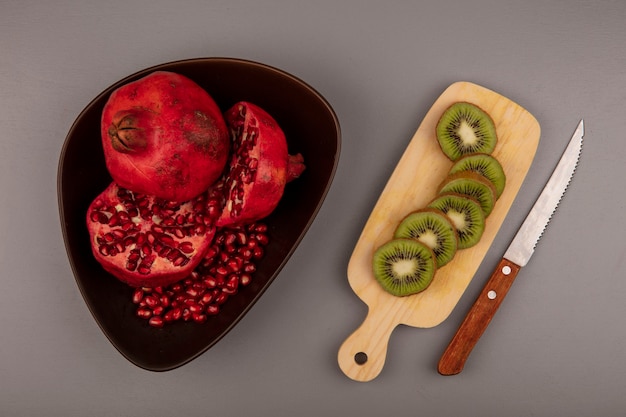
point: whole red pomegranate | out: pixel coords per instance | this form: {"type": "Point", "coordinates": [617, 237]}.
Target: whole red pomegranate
{"type": "Point", "coordinates": [145, 241]}
{"type": "Point", "coordinates": [164, 135]}
{"type": "Point", "coordinates": [259, 169]}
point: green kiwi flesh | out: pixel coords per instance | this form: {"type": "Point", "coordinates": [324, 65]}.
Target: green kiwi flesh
{"type": "Point", "coordinates": [466, 215]}
{"type": "Point", "coordinates": [434, 229]}
{"type": "Point", "coordinates": [485, 165]}
{"type": "Point", "coordinates": [472, 185]}
{"type": "Point", "coordinates": [465, 128]}
{"type": "Point", "coordinates": [404, 266]}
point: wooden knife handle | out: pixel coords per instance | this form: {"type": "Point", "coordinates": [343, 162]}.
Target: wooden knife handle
{"type": "Point", "coordinates": [478, 318]}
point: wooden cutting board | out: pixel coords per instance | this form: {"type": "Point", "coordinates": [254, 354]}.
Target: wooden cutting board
{"type": "Point", "coordinates": [411, 186]}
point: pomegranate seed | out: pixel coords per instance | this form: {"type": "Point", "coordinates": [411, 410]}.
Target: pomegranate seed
{"type": "Point", "coordinates": [180, 260]}
{"type": "Point", "coordinates": [143, 269]}
{"type": "Point", "coordinates": [233, 282]}
{"type": "Point", "coordinates": [213, 212]}
{"type": "Point", "coordinates": [231, 238]}
{"type": "Point", "coordinates": [134, 255]}
{"type": "Point", "coordinates": [246, 253]}
{"type": "Point", "coordinates": [114, 220]}
{"type": "Point", "coordinates": [221, 271]}
{"type": "Point", "coordinates": [146, 249]}
{"type": "Point", "coordinates": [258, 252]}
{"type": "Point", "coordinates": [118, 234]}
{"type": "Point", "coordinates": [156, 321]}
{"type": "Point", "coordinates": [234, 264]}
{"type": "Point", "coordinates": [99, 217]}
{"type": "Point", "coordinates": [245, 279]}
{"type": "Point", "coordinates": [212, 309]}
{"type": "Point", "coordinates": [242, 238]}
{"type": "Point", "coordinates": [207, 298]}
{"type": "Point", "coordinates": [221, 298]}
{"type": "Point", "coordinates": [262, 238]}
{"type": "Point", "coordinates": [211, 252]}
{"type": "Point", "coordinates": [199, 318]}
{"type": "Point", "coordinates": [195, 308]}
{"type": "Point", "coordinates": [144, 313]}
{"type": "Point", "coordinates": [186, 247]}
{"type": "Point", "coordinates": [210, 282]}
{"type": "Point", "coordinates": [169, 316]}
{"type": "Point", "coordinates": [152, 301]}
{"type": "Point", "coordinates": [137, 295]}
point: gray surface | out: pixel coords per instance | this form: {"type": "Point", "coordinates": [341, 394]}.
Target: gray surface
{"type": "Point", "coordinates": [556, 347]}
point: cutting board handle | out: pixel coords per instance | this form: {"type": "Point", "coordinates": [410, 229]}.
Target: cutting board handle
{"type": "Point", "coordinates": [362, 355]}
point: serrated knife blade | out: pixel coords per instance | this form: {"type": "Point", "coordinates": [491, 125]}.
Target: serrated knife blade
{"type": "Point", "coordinates": [516, 256]}
{"type": "Point", "coordinates": [524, 242]}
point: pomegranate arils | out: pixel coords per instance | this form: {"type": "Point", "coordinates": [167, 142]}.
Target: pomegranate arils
{"type": "Point", "coordinates": [259, 167]}
{"type": "Point", "coordinates": [143, 240]}
{"type": "Point", "coordinates": [221, 273]}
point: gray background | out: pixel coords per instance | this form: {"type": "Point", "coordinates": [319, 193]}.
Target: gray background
{"type": "Point", "coordinates": [556, 347]}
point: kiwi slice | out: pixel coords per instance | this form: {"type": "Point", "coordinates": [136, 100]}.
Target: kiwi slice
{"type": "Point", "coordinates": [434, 229]}
{"type": "Point", "coordinates": [465, 128]}
{"type": "Point", "coordinates": [485, 165]}
{"type": "Point", "coordinates": [472, 185]}
{"type": "Point", "coordinates": [404, 266]}
{"type": "Point", "coordinates": [466, 215]}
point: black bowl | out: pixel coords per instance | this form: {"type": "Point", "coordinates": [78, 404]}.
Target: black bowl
{"type": "Point", "coordinates": [311, 128]}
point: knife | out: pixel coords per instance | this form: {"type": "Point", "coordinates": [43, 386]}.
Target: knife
{"type": "Point", "coordinates": [515, 257]}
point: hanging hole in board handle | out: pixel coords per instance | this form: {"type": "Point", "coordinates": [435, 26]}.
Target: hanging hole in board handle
{"type": "Point", "coordinates": [362, 355]}
{"type": "Point", "coordinates": [360, 358]}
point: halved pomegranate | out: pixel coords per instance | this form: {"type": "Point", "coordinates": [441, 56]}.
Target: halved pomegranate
{"type": "Point", "coordinates": [164, 135]}
{"type": "Point", "coordinates": [145, 241]}
{"type": "Point", "coordinates": [259, 169]}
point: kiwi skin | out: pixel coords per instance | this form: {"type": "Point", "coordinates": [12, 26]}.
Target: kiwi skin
{"type": "Point", "coordinates": [386, 258]}
{"type": "Point", "coordinates": [454, 204]}
{"type": "Point", "coordinates": [430, 224]}
{"type": "Point", "coordinates": [485, 165]}
{"type": "Point", "coordinates": [465, 128]}
{"type": "Point", "coordinates": [473, 185]}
